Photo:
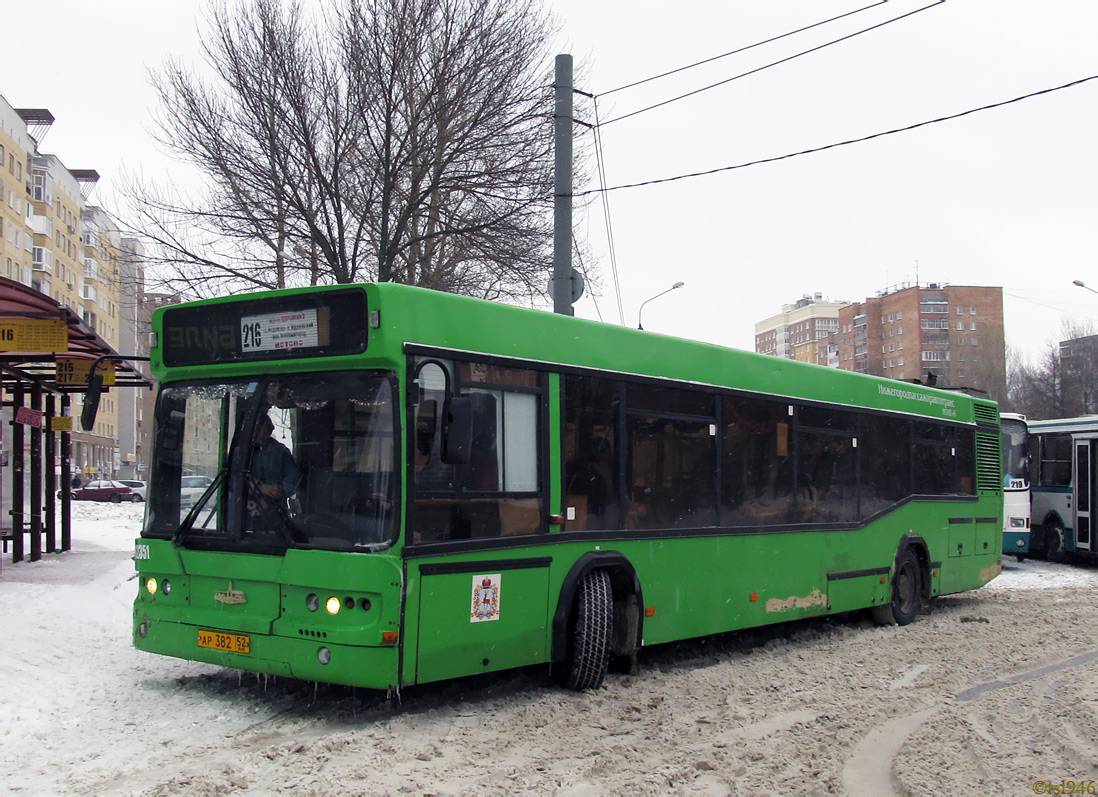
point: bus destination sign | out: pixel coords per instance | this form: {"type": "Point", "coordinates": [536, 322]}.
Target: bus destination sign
{"type": "Point", "coordinates": [293, 330]}
{"type": "Point", "coordinates": [312, 324]}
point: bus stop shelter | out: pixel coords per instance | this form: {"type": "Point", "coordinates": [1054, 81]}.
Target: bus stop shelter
{"type": "Point", "coordinates": [46, 352]}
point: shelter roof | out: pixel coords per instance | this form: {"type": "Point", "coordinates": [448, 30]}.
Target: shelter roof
{"type": "Point", "coordinates": [18, 301]}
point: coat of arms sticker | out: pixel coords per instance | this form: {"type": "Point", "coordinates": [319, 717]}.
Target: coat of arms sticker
{"type": "Point", "coordinates": [485, 598]}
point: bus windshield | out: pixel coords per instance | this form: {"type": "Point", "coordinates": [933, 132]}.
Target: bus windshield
{"type": "Point", "coordinates": [264, 464]}
{"type": "Point", "coordinates": [1015, 454]}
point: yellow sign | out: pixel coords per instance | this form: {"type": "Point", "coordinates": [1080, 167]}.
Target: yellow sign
{"type": "Point", "coordinates": [33, 334]}
{"type": "Point", "coordinates": [75, 372]}
{"type": "Point", "coordinates": [60, 423]}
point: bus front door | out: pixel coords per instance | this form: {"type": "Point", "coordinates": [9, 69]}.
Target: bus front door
{"type": "Point", "coordinates": [1084, 493]}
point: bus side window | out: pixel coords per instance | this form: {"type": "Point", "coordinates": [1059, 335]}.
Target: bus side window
{"type": "Point", "coordinates": [497, 492]}
{"type": "Point", "coordinates": [591, 453]}
{"type": "Point", "coordinates": [757, 466]}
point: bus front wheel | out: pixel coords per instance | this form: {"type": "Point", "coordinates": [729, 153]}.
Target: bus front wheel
{"type": "Point", "coordinates": [591, 634]}
{"type": "Point", "coordinates": [907, 592]}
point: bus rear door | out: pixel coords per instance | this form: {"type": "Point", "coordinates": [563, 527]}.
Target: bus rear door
{"type": "Point", "coordinates": [1084, 498]}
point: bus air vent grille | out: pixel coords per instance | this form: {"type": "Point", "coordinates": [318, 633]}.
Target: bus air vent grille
{"type": "Point", "coordinates": [985, 413]}
{"type": "Point", "coordinates": [988, 452]}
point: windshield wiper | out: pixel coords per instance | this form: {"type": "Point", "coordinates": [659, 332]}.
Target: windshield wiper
{"type": "Point", "coordinates": [187, 522]}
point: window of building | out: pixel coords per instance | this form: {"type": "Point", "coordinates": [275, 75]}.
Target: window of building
{"type": "Point", "coordinates": [972, 310]}
{"type": "Point", "coordinates": [960, 310]}
{"type": "Point", "coordinates": [972, 326]}
{"type": "Point", "coordinates": [972, 340]}
{"type": "Point", "coordinates": [960, 326]}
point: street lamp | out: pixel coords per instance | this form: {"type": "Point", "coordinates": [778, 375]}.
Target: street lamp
{"type": "Point", "coordinates": [1081, 285]}
{"type": "Point", "coordinates": [658, 295]}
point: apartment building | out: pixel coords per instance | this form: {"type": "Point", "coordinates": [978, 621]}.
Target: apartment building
{"type": "Point", "coordinates": [16, 243]}
{"type": "Point", "coordinates": [951, 335]}
{"type": "Point", "coordinates": [804, 330]}
{"type": "Point", "coordinates": [54, 241]}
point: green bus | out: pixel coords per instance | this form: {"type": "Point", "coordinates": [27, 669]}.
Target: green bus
{"type": "Point", "coordinates": [462, 487]}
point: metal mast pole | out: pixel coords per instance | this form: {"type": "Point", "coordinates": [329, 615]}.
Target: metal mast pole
{"type": "Point", "coordinates": [562, 188]}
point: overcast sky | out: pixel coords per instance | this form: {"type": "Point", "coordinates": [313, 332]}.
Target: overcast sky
{"type": "Point", "coordinates": [1002, 197]}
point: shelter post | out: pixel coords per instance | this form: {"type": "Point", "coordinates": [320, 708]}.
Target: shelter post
{"type": "Point", "coordinates": [18, 492]}
{"type": "Point", "coordinates": [36, 476]}
{"type": "Point", "coordinates": [51, 474]}
{"type": "Point", "coordinates": [66, 477]}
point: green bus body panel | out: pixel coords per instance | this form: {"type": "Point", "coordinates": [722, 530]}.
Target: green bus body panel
{"type": "Point", "coordinates": [272, 593]}
{"type": "Point", "coordinates": [451, 644]}
{"type": "Point", "coordinates": [696, 586]}
{"type": "Point", "coordinates": [692, 585]}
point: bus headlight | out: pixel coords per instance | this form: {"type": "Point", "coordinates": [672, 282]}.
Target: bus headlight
{"type": "Point", "coordinates": [150, 585]}
{"type": "Point", "coordinates": [1017, 522]}
{"type": "Point", "coordinates": [333, 605]}
{"type": "Point", "coordinates": [324, 655]}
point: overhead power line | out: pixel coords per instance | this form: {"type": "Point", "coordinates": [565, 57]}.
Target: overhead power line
{"type": "Point", "coordinates": [774, 63]}
{"type": "Point", "coordinates": [741, 49]}
{"type": "Point", "coordinates": [841, 143]}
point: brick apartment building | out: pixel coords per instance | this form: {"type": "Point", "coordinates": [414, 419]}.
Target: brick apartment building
{"type": "Point", "coordinates": [950, 334]}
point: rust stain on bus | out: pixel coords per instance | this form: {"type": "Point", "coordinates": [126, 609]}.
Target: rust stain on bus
{"type": "Point", "coordinates": [989, 573]}
{"type": "Point", "coordinates": [815, 598]}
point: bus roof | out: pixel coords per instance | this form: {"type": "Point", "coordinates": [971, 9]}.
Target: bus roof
{"type": "Point", "coordinates": [417, 319]}
{"type": "Point", "coordinates": [1081, 424]}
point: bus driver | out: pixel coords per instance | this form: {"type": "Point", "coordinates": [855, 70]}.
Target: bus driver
{"type": "Point", "coordinates": [273, 477]}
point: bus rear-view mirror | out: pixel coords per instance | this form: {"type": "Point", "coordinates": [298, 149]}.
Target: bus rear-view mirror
{"type": "Point", "coordinates": [91, 402]}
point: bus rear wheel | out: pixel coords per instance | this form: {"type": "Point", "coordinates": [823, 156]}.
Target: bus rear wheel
{"type": "Point", "coordinates": [1054, 542]}
{"type": "Point", "coordinates": [907, 592]}
{"type": "Point", "coordinates": [589, 645]}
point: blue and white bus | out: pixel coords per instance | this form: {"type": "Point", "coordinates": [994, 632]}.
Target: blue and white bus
{"type": "Point", "coordinates": [1063, 491]}
{"type": "Point", "coordinates": [1016, 497]}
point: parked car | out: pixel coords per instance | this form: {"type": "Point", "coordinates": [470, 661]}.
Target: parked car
{"type": "Point", "coordinates": [137, 486]}
{"type": "Point", "coordinates": [191, 488]}
{"type": "Point", "coordinates": [104, 490]}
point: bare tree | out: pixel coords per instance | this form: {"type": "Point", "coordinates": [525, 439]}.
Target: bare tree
{"type": "Point", "coordinates": [1062, 384]}
{"type": "Point", "coordinates": [390, 140]}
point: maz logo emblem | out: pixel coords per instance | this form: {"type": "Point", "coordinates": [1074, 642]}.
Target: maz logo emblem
{"type": "Point", "coordinates": [230, 595]}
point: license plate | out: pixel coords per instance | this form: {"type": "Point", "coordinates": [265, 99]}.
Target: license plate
{"type": "Point", "coordinates": [232, 643]}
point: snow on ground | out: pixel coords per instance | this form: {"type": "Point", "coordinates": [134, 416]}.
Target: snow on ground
{"type": "Point", "coordinates": [991, 689]}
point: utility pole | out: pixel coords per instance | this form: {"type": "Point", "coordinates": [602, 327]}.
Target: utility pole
{"type": "Point", "coordinates": [563, 276]}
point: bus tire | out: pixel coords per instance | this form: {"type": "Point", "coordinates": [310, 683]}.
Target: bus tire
{"type": "Point", "coordinates": [1054, 542]}
{"type": "Point", "coordinates": [907, 592]}
{"type": "Point", "coordinates": [589, 645]}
